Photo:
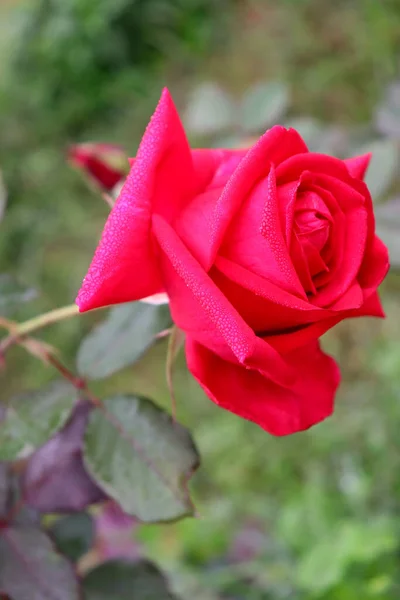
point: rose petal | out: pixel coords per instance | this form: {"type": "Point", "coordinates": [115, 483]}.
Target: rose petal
{"type": "Point", "coordinates": [214, 167]}
{"type": "Point", "coordinates": [375, 263]}
{"type": "Point", "coordinates": [292, 168]}
{"type": "Point", "coordinates": [358, 165]}
{"type": "Point", "coordinates": [259, 299]}
{"type": "Point", "coordinates": [124, 267]}
{"type": "Point", "coordinates": [200, 309]}
{"type": "Point", "coordinates": [372, 307]}
{"type": "Point", "coordinates": [279, 410]}
{"type": "Point", "coordinates": [353, 246]}
{"type": "Point", "coordinates": [274, 146]}
{"type": "Point", "coordinates": [256, 241]}
{"type": "Point", "coordinates": [286, 199]}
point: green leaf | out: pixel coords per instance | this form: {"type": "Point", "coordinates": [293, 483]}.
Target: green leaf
{"type": "Point", "coordinates": [73, 535]}
{"type": "Point", "coordinates": [309, 129]}
{"type": "Point", "coordinates": [352, 542]}
{"type": "Point", "coordinates": [118, 580]}
{"type": "Point", "coordinates": [383, 167]}
{"type": "Point", "coordinates": [210, 110]}
{"type": "Point", "coordinates": [3, 197]}
{"type": "Point", "coordinates": [34, 417]}
{"type": "Point", "coordinates": [141, 458]}
{"type": "Point", "coordinates": [263, 105]}
{"type": "Point", "coordinates": [13, 293]}
{"type": "Point", "coordinates": [121, 339]}
{"type": "Point", "coordinates": [387, 218]}
{"type": "Point", "coordinates": [30, 569]}
{"type": "Point", "coordinates": [387, 114]}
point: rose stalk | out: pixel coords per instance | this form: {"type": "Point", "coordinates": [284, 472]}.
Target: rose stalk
{"type": "Point", "coordinates": [260, 252]}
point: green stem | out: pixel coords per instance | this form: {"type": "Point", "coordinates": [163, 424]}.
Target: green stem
{"type": "Point", "coordinates": [53, 316]}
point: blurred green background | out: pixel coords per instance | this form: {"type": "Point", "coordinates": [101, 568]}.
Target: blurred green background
{"type": "Point", "coordinates": [313, 516]}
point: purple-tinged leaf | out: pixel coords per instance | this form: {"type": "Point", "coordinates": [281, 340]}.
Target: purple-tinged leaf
{"type": "Point", "coordinates": [4, 489]}
{"type": "Point", "coordinates": [30, 569]}
{"type": "Point", "coordinates": [55, 479]}
{"type": "Point", "coordinates": [249, 542]}
{"type": "Point", "coordinates": [115, 534]}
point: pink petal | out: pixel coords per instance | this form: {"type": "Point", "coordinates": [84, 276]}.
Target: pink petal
{"type": "Point", "coordinates": [200, 309]}
{"type": "Point", "coordinates": [124, 267]}
{"type": "Point", "coordinates": [264, 306]}
{"type": "Point", "coordinates": [292, 168]}
{"type": "Point", "coordinates": [256, 241]}
{"type": "Point", "coordinates": [274, 146]}
{"type": "Point", "coordinates": [372, 307]}
{"type": "Point", "coordinates": [353, 246]}
{"type": "Point", "coordinates": [358, 165]}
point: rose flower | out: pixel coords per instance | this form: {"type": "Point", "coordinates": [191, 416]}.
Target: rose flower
{"type": "Point", "coordinates": [260, 252]}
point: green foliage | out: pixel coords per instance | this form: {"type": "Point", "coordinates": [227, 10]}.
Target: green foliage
{"type": "Point", "coordinates": [12, 293]}
{"type": "Point", "coordinates": [32, 418]}
{"type": "Point", "coordinates": [73, 535]}
{"type": "Point", "coordinates": [141, 458]}
{"type": "Point", "coordinates": [384, 166]}
{"type": "Point", "coordinates": [121, 339]}
{"type": "Point", "coordinates": [328, 562]}
{"type": "Point", "coordinates": [264, 104]}
{"type": "Point", "coordinates": [88, 52]}
{"type": "Point", "coordinates": [210, 110]}
{"type": "Point", "coordinates": [122, 581]}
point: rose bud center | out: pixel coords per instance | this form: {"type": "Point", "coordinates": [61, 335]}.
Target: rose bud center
{"type": "Point", "coordinates": [311, 233]}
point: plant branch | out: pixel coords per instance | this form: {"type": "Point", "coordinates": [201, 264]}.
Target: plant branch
{"type": "Point", "coordinates": [19, 331]}
{"type": "Point", "coordinates": [53, 316]}
{"type": "Point", "coordinates": [108, 199]}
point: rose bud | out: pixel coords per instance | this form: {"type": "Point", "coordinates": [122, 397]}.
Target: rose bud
{"type": "Point", "coordinates": [260, 252]}
{"type": "Point", "coordinates": [106, 165]}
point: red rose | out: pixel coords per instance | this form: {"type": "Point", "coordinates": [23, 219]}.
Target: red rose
{"type": "Point", "coordinates": [260, 252]}
{"type": "Point", "coordinates": [105, 164]}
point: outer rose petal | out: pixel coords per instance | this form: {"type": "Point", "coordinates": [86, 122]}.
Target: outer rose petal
{"type": "Point", "coordinates": [200, 309]}
{"type": "Point", "coordinates": [358, 165]}
{"type": "Point", "coordinates": [124, 267]}
{"type": "Point", "coordinates": [279, 410]}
